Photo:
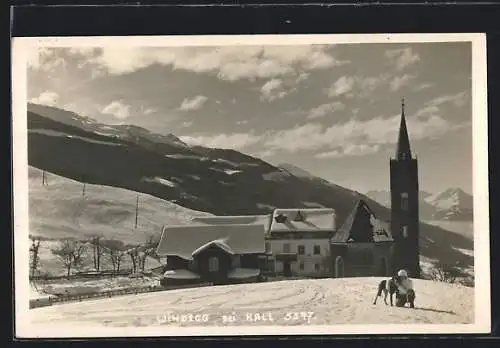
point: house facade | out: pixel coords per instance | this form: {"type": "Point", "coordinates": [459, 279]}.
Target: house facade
{"type": "Point", "coordinates": [218, 254]}
{"type": "Point", "coordinates": [298, 242]}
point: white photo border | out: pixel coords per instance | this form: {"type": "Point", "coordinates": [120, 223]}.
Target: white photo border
{"type": "Point", "coordinates": [21, 48]}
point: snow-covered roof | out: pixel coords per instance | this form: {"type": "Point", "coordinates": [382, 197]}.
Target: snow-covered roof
{"type": "Point", "coordinates": [242, 273]}
{"type": "Point", "coordinates": [181, 274]}
{"type": "Point", "coordinates": [303, 220]}
{"type": "Point", "coordinates": [264, 220]}
{"type": "Point", "coordinates": [186, 241]}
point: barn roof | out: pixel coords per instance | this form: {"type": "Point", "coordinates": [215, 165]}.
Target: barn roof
{"type": "Point", "coordinates": [303, 220]}
{"type": "Point", "coordinates": [380, 229]}
{"type": "Point", "coordinates": [186, 241]}
{"type": "Point", "coordinates": [264, 220]}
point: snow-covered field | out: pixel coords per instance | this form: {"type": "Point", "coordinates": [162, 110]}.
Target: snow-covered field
{"type": "Point", "coordinates": [291, 302]}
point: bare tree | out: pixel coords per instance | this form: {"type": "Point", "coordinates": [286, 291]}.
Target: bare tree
{"type": "Point", "coordinates": [142, 260]}
{"type": "Point", "coordinates": [97, 251]}
{"type": "Point", "coordinates": [80, 248]}
{"type": "Point", "coordinates": [443, 272]}
{"type": "Point", "coordinates": [35, 259]}
{"type": "Point", "coordinates": [134, 257]}
{"type": "Point", "coordinates": [148, 250]}
{"type": "Point", "coordinates": [66, 253]}
{"type": "Point", "coordinates": [116, 252]}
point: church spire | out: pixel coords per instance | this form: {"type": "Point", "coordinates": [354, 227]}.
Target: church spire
{"type": "Point", "coordinates": [403, 150]}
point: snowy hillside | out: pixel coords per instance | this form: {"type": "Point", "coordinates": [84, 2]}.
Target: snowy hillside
{"type": "Point", "coordinates": [61, 209]}
{"type": "Point", "coordinates": [322, 302]}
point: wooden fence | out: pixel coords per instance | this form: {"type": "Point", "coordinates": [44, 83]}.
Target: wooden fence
{"type": "Point", "coordinates": [49, 301]}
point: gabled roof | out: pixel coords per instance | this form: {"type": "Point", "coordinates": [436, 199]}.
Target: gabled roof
{"type": "Point", "coordinates": [303, 220]}
{"type": "Point", "coordinates": [187, 241]}
{"type": "Point", "coordinates": [344, 233]}
{"type": "Point", "coordinates": [264, 220]}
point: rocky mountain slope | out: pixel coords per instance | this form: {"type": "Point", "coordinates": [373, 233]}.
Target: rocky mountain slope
{"type": "Point", "coordinates": [217, 181]}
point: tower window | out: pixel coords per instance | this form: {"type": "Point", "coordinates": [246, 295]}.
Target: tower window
{"type": "Point", "coordinates": [405, 231]}
{"type": "Point", "coordinates": [404, 201]}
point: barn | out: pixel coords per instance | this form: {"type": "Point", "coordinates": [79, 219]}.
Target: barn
{"type": "Point", "coordinates": [219, 254]}
{"type": "Point", "coordinates": [362, 246]}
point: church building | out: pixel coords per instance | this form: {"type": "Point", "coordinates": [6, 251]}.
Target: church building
{"type": "Point", "coordinates": [367, 246]}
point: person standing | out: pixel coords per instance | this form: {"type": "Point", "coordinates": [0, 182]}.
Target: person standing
{"type": "Point", "coordinates": [405, 292]}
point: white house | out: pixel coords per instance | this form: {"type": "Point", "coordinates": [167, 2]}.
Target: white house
{"type": "Point", "coordinates": [298, 240]}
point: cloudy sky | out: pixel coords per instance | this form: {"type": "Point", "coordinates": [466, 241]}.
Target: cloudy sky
{"type": "Point", "coordinates": [333, 110]}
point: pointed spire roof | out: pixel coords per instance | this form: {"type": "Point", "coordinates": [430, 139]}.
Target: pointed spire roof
{"type": "Point", "coordinates": [403, 150]}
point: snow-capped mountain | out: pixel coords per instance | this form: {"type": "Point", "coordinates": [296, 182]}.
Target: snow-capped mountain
{"type": "Point", "coordinates": [452, 204]}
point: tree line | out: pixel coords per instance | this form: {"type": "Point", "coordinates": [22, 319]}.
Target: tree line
{"type": "Point", "coordinates": [70, 253]}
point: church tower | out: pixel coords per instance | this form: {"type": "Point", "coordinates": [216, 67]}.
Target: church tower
{"type": "Point", "coordinates": [404, 204]}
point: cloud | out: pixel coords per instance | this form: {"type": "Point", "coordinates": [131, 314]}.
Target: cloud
{"type": "Point", "coordinates": [324, 109]}
{"type": "Point", "coordinates": [83, 51]}
{"type": "Point", "coordinates": [272, 89]}
{"type": "Point", "coordinates": [402, 57]}
{"type": "Point", "coordinates": [458, 99]}
{"type": "Point", "coordinates": [224, 141]}
{"type": "Point", "coordinates": [45, 59]}
{"type": "Point", "coordinates": [400, 81]}
{"type": "Point", "coordinates": [361, 86]}
{"type": "Point", "coordinates": [346, 138]}
{"type": "Point", "coordinates": [193, 104]}
{"type": "Point", "coordinates": [117, 109]}
{"type": "Point", "coordinates": [149, 111]}
{"type": "Point", "coordinates": [46, 98]}
{"type": "Point", "coordinates": [226, 62]}
{"type": "Point", "coordinates": [350, 150]}
{"type": "Point", "coordinates": [342, 86]}
{"type": "Point", "coordinates": [423, 86]}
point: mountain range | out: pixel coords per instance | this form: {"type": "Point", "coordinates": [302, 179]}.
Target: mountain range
{"type": "Point", "coordinates": [452, 204]}
{"type": "Point", "coordinates": [211, 180]}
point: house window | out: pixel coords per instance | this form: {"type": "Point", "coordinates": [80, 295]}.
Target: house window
{"type": "Point", "coordinates": [405, 231]}
{"type": "Point", "coordinates": [301, 250]}
{"type": "Point", "coordinates": [268, 247]}
{"type": "Point", "coordinates": [404, 201]}
{"type": "Point", "coordinates": [301, 266]}
{"type": "Point", "coordinates": [213, 264]}
{"type": "Point", "coordinates": [286, 248]}
{"type": "Point", "coordinates": [317, 250]}
{"type": "Point", "coordinates": [317, 267]}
